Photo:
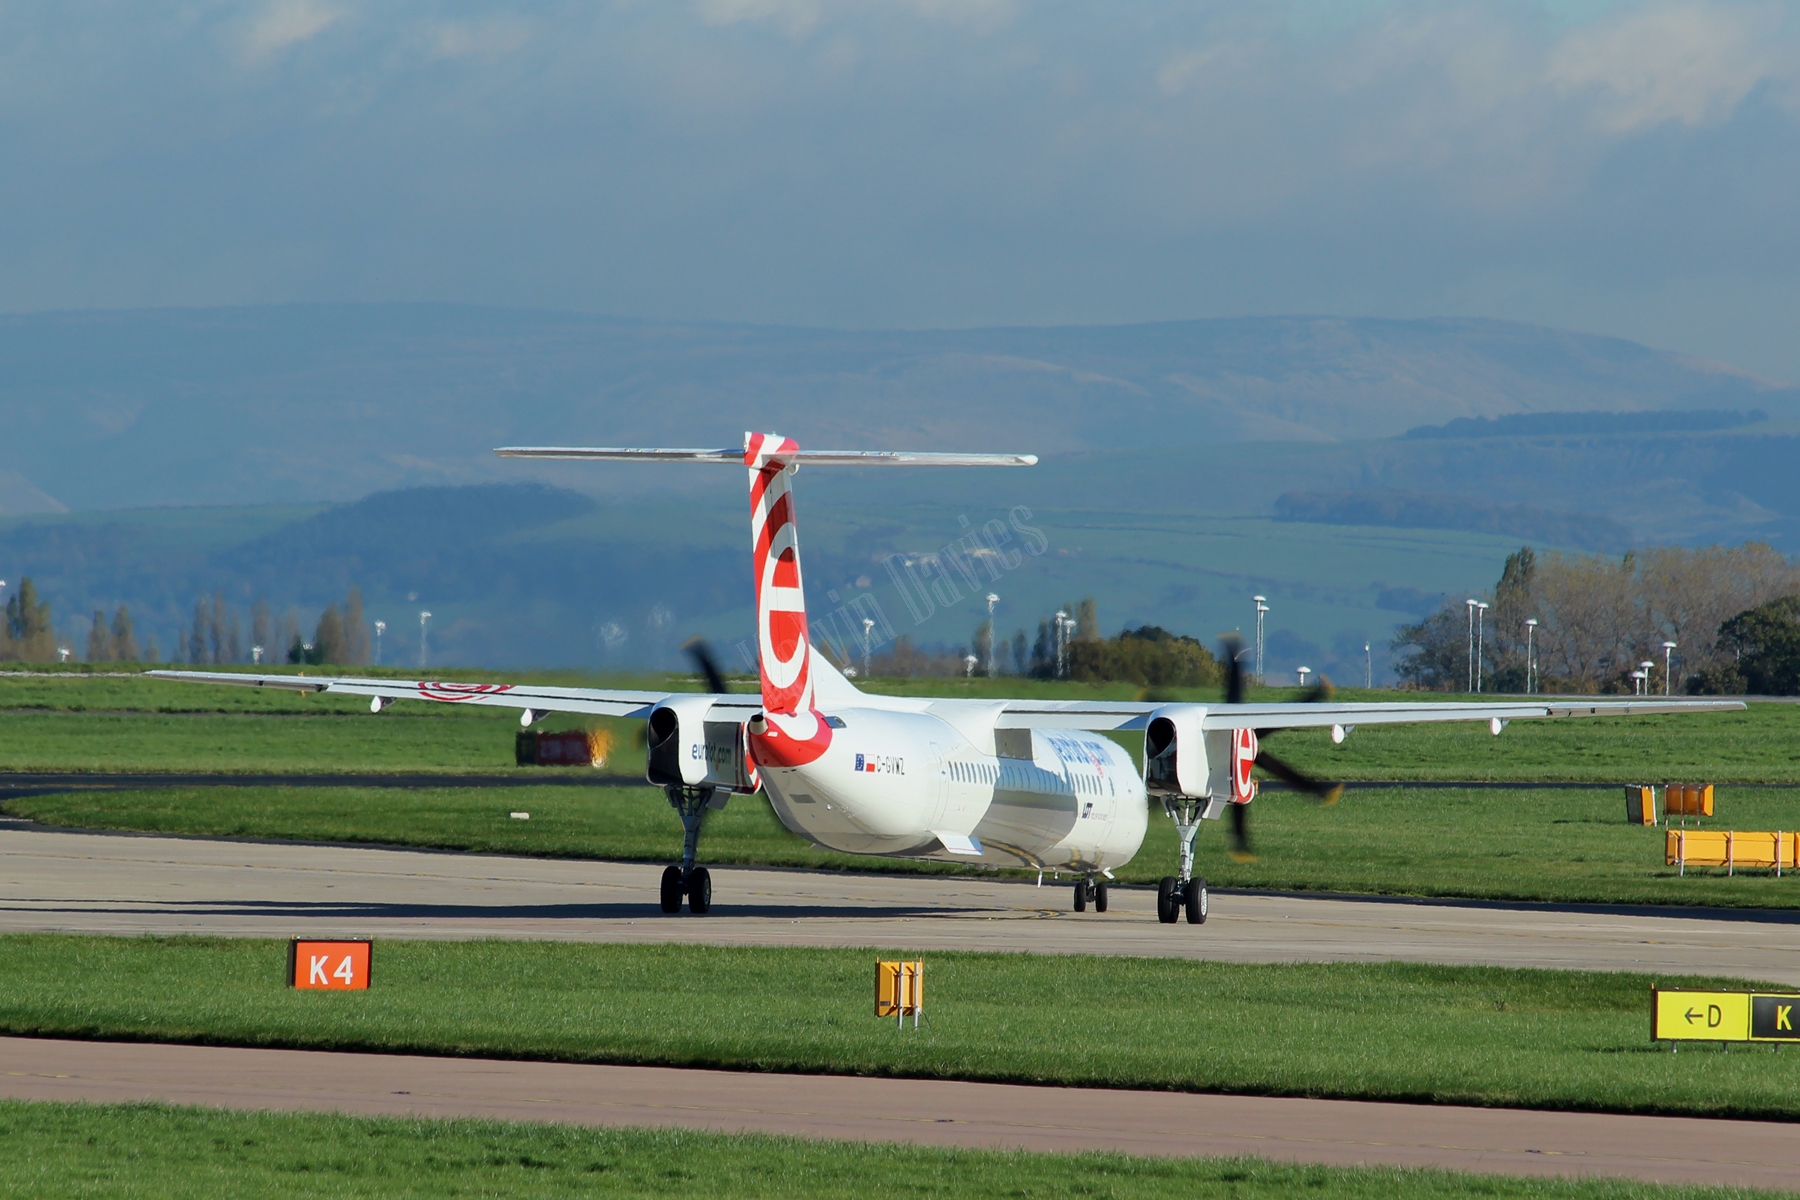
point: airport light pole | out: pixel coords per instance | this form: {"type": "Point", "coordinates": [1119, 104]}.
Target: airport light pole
{"type": "Point", "coordinates": [380, 628]}
{"type": "Point", "coordinates": [1368, 668]}
{"type": "Point", "coordinates": [1304, 672]}
{"type": "Point", "coordinates": [1470, 647]}
{"type": "Point", "coordinates": [1262, 606]}
{"type": "Point", "coordinates": [423, 618]}
{"type": "Point", "coordinates": [1668, 654]}
{"type": "Point", "coordinates": [867, 625]}
{"type": "Point", "coordinates": [1644, 668]}
{"type": "Point", "coordinates": [256, 653]}
{"type": "Point", "coordinates": [969, 661]}
{"type": "Point", "coordinates": [1531, 624]}
{"type": "Point", "coordinates": [993, 657]}
{"type": "Point", "coordinates": [1480, 629]}
{"type": "Point", "coordinates": [1062, 643]}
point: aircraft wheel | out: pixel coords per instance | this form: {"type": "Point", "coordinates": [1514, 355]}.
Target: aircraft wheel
{"type": "Point", "coordinates": [1194, 896]}
{"type": "Point", "coordinates": [1081, 888]}
{"type": "Point", "coordinates": [699, 890]}
{"type": "Point", "coordinates": [1168, 902]}
{"type": "Point", "coordinates": [671, 890]}
{"type": "Point", "coordinates": [1099, 897]}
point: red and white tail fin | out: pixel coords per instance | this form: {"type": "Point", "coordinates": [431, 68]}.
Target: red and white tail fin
{"type": "Point", "coordinates": [796, 733]}
{"type": "Point", "coordinates": [784, 651]}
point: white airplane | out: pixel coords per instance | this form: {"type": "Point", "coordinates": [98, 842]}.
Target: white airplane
{"type": "Point", "coordinates": [1013, 783]}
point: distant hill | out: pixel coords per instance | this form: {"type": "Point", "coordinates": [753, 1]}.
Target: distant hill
{"type": "Point", "coordinates": [302, 403]}
{"type": "Point", "coordinates": [527, 575]}
{"type": "Point", "coordinates": [1574, 424]}
{"type": "Point", "coordinates": [1395, 508]}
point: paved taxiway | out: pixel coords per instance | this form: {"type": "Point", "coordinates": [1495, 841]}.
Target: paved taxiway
{"type": "Point", "coordinates": [112, 883]}
{"type": "Point", "coordinates": [931, 1112]}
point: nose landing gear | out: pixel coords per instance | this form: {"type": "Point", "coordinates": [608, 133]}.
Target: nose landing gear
{"type": "Point", "coordinates": [687, 880]}
{"type": "Point", "coordinates": [1090, 890]}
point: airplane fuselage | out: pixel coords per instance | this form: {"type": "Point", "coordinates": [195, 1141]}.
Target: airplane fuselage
{"type": "Point", "coordinates": [953, 787]}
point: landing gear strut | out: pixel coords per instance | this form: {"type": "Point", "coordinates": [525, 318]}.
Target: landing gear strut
{"type": "Point", "coordinates": [1186, 891]}
{"type": "Point", "coordinates": [688, 880]}
{"type": "Point", "coordinates": [1090, 889]}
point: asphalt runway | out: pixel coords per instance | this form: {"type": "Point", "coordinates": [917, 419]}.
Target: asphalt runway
{"type": "Point", "coordinates": [928, 1112]}
{"type": "Point", "coordinates": [132, 884]}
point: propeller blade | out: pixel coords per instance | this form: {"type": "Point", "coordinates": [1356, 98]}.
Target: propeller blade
{"type": "Point", "coordinates": [1240, 834]}
{"type": "Point", "coordinates": [1326, 794]}
{"type": "Point", "coordinates": [1319, 692]}
{"type": "Point", "coordinates": [1231, 650]}
{"type": "Point", "coordinates": [709, 667]}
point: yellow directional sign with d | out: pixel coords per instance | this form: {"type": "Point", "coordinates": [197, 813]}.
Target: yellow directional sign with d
{"type": "Point", "coordinates": [1724, 1017]}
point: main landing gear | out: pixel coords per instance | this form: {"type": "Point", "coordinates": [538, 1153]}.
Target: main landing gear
{"type": "Point", "coordinates": [1087, 890]}
{"type": "Point", "coordinates": [695, 885]}
{"type": "Point", "coordinates": [687, 880]}
{"type": "Point", "coordinates": [1185, 892]}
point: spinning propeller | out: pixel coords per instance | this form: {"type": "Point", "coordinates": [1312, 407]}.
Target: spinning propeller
{"type": "Point", "coordinates": [703, 658]}
{"type": "Point", "coordinates": [1325, 793]}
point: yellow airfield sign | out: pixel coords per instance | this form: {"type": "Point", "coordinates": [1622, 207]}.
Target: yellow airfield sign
{"type": "Point", "coordinates": [1724, 1016]}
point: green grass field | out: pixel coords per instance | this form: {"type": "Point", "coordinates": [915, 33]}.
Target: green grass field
{"type": "Point", "coordinates": [97, 1152]}
{"type": "Point", "coordinates": [1486, 1036]}
{"type": "Point", "coordinates": [76, 721]}
{"type": "Point", "coordinates": [1553, 845]}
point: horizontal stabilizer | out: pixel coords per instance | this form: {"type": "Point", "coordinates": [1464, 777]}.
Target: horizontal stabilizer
{"type": "Point", "coordinates": [833, 458]}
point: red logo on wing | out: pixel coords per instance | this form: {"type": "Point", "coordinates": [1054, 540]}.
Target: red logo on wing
{"type": "Point", "coordinates": [451, 693]}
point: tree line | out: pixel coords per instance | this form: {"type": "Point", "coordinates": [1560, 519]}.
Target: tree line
{"type": "Point", "coordinates": [29, 633]}
{"type": "Point", "coordinates": [217, 636]}
{"type": "Point", "coordinates": [1073, 648]}
{"type": "Point", "coordinates": [1598, 617]}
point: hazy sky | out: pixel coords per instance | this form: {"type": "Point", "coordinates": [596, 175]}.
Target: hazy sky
{"type": "Point", "coordinates": [1623, 168]}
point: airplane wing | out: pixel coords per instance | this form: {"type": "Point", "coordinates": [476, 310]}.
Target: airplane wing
{"type": "Point", "coordinates": [1120, 714]}
{"type": "Point", "coordinates": [531, 698]}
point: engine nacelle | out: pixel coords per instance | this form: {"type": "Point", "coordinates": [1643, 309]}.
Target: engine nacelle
{"type": "Point", "coordinates": [685, 747]}
{"type": "Point", "coordinates": [1182, 758]}
{"type": "Point", "coordinates": [1175, 758]}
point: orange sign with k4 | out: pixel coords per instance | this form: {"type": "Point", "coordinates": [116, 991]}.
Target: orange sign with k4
{"type": "Point", "coordinates": [329, 966]}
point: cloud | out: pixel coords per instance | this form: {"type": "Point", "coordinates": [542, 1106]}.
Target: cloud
{"type": "Point", "coordinates": [1626, 167]}
{"type": "Point", "coordinates": [801, 18]}
{"type": "Point", "coordinates": [1688, 63]}
{"type": "Point", "coordinates": [466, 39]}
{"type": "Point", "coordinates": [286, 23]}
{"type": "Point", "coordinates": [796, 18]}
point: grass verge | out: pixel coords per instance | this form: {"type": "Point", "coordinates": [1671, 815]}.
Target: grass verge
{"type": "Point", "coordinates": [1565, 846]}
{"type": "Point", "coordinates": [69, 722]}
{"type": "Point", "coordinates": [1488, 1036]}
{"type": "Point", "coordinates": [285, 742]}
{"type": "Point", "coordinates": [98, 1151]}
